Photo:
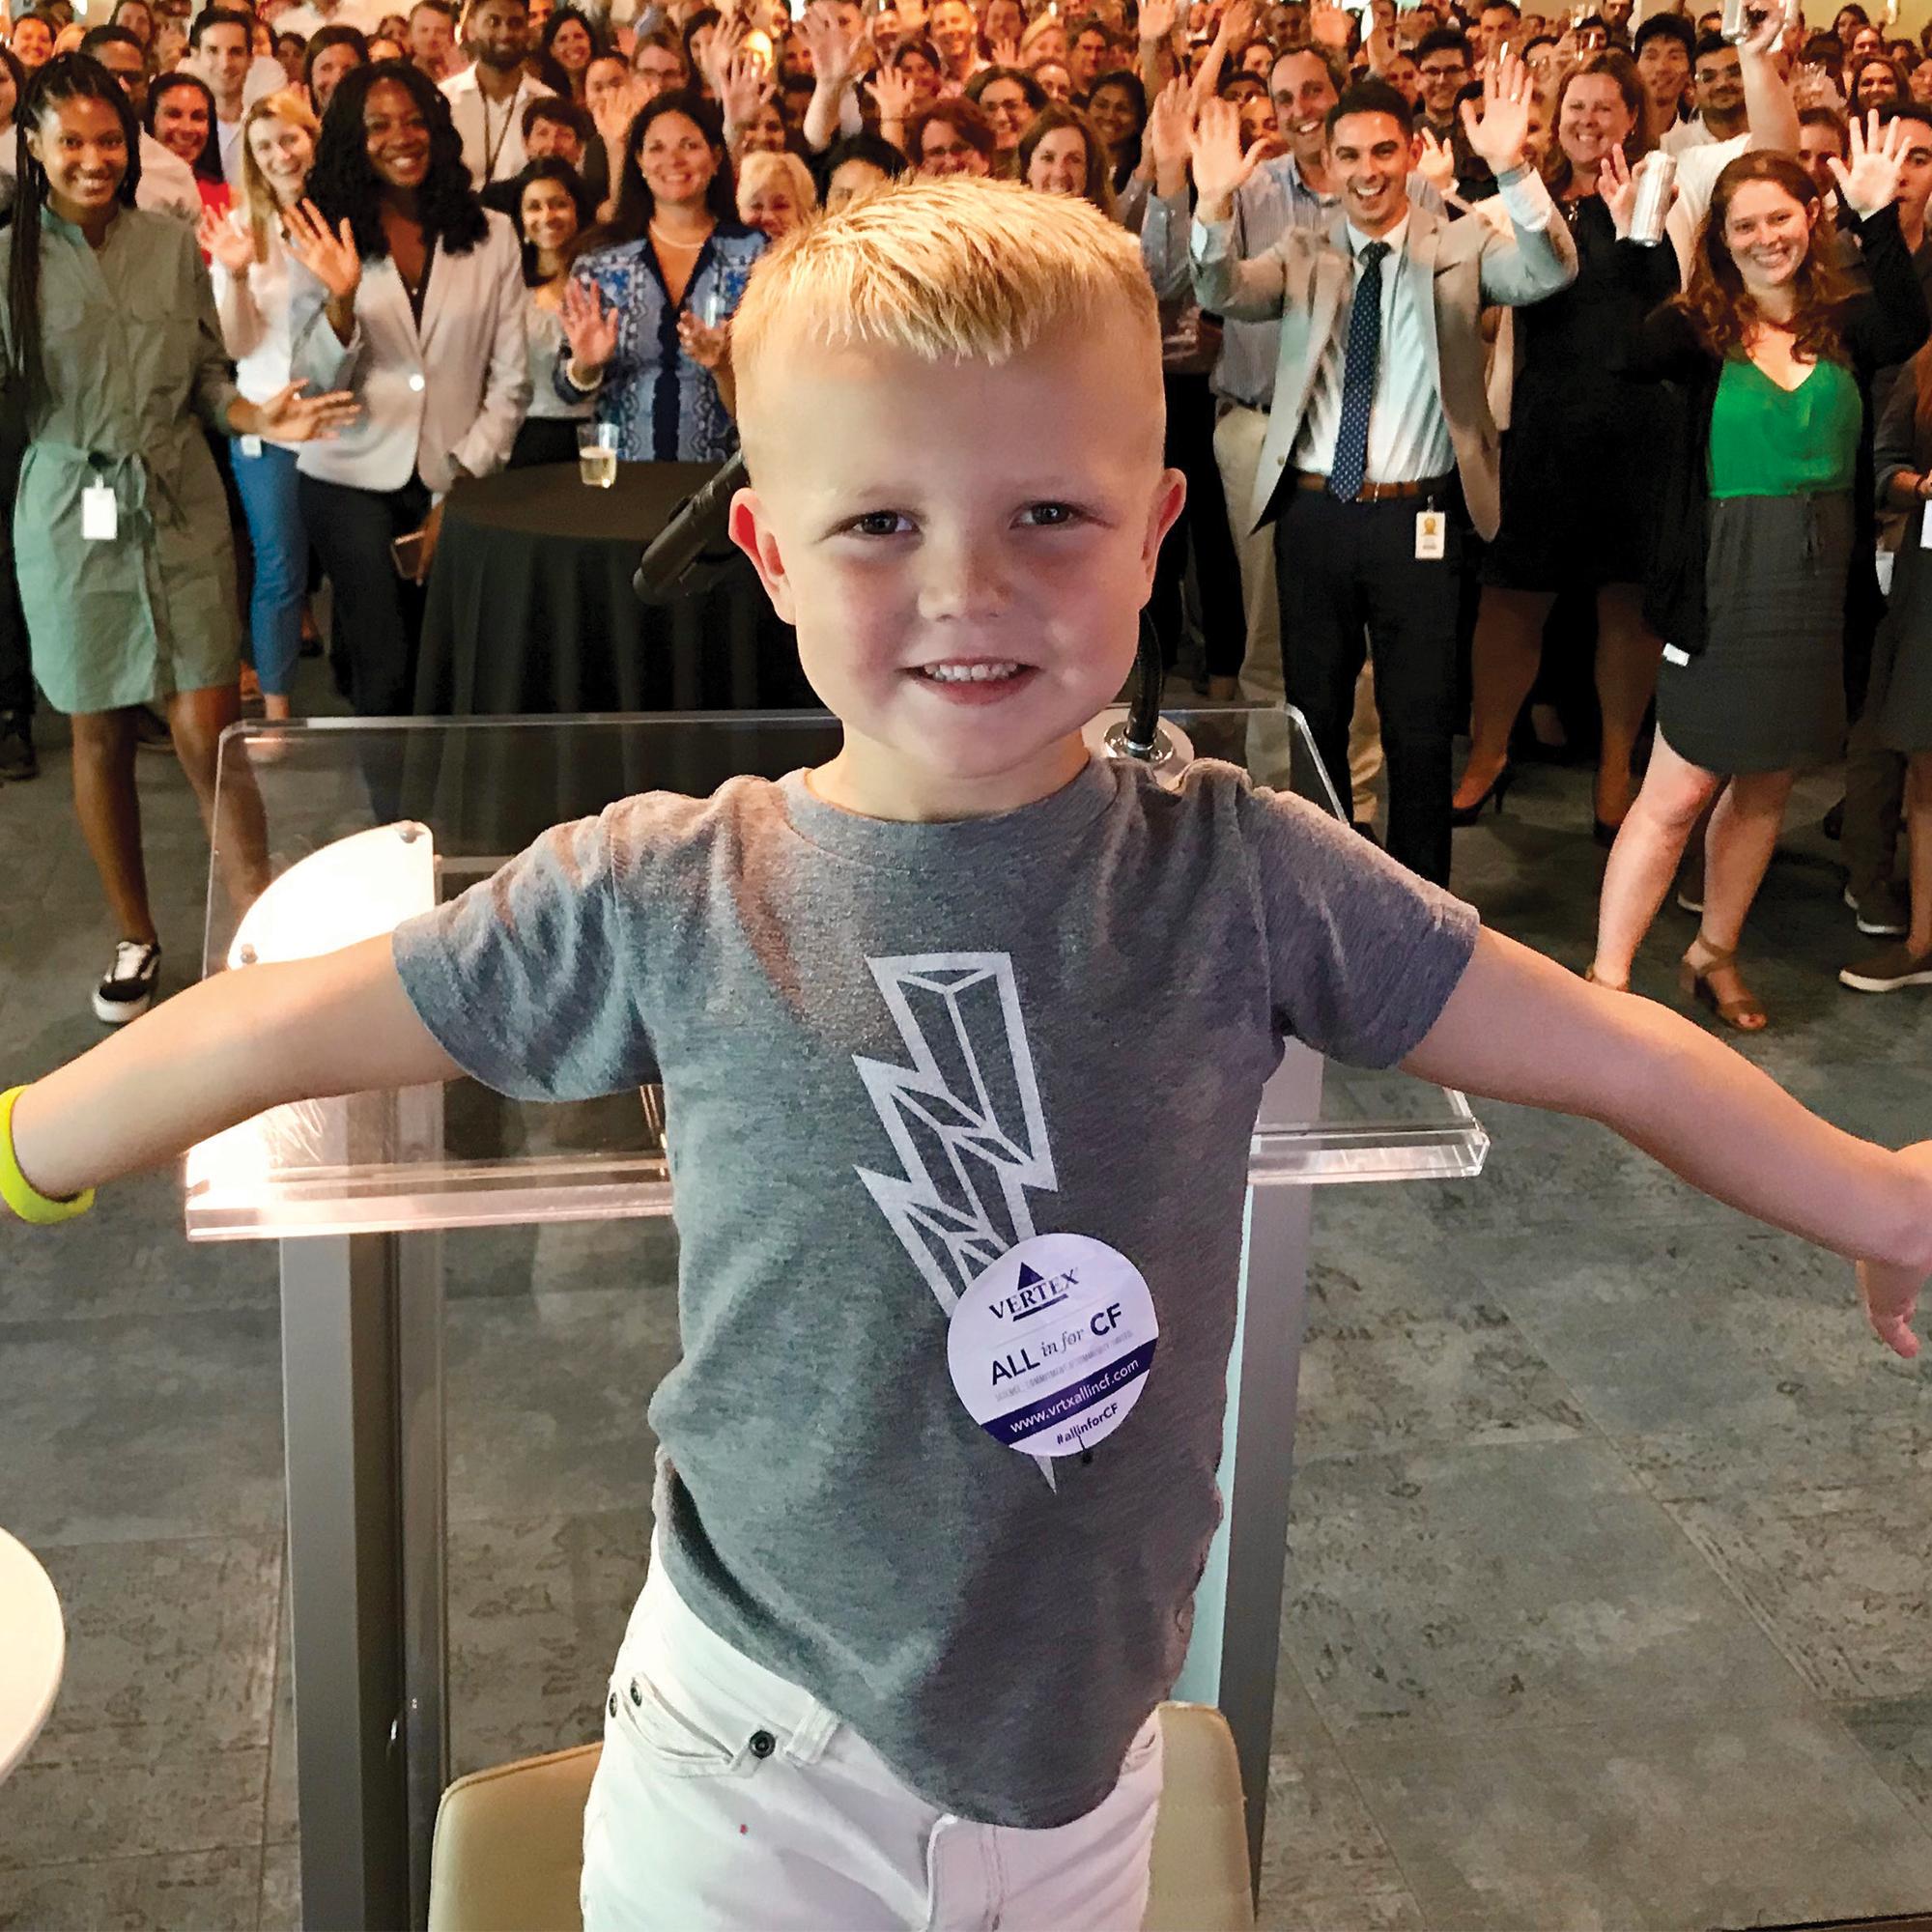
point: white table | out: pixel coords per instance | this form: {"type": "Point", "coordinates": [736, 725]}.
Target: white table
{"type": "Point", "coordinates": [32, 1647]}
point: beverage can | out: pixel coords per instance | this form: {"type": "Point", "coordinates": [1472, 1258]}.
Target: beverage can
{"type": "Point", "coordinates": [1736, 23]}
{"type": "Point", "coordinates": [1655, 177]}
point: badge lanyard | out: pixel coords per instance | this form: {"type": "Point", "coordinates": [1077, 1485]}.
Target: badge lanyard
{"type": "Point", "coordinates": [489, 152]}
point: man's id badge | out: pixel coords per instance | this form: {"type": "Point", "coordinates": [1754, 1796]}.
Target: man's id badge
{"type": "Point", "coordinates": [1050, 1346]}
{"type": "Point", "coordinates": [99, 518]}
{"type": "Point", "coordinates": [1432, 535]}
{"type": "Point", "coordinates": [251, 445]}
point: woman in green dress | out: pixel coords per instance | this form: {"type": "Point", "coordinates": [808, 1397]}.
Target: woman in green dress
{"type": "Point", "coordinates": [1764, 522]}
{"type": "Point", "coordinates": [110, 348]}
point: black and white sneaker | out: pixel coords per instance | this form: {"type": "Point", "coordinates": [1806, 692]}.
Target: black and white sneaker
{"type": "Point", "coordinates": [129, 989]}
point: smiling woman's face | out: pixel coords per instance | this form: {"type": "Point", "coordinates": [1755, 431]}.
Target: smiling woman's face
{"type": "Point", "coordinates": [32, 43]}
{"type": "Point", "coordinates": [181, 122]}
{"type": "Point", "coordinates": [676, 160]}
{"type": "Point", "coordinates": [1768, 232]}
{"type": "Point", "coordinates": [83, 146]}
{"type": "Point", "coordinates": [283, 151]}
{"type": "Point", "coordinates": [548, 215]}
{"type": "Point", "coordinates": [395, 134]}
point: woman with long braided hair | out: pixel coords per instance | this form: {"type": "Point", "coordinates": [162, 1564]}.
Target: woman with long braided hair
{"type": "Point", "coordinates": [110, 348]}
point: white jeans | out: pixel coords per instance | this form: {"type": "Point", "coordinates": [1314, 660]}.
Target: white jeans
{"type": "Point", "coordinates": [1239, 436]}
{"type": "Point", "coordinates": [728, 1800]}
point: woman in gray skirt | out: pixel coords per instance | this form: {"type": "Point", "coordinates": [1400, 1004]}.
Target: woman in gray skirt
{"type": "Point", "coordinates": [1898, 710]}
{"type": "Point", "coordinates": [1764, 502]}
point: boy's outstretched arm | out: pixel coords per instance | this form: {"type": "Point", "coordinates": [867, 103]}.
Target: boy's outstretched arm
{"type": "Point", "coordinates": [218, 1054]}
{"type": "Point", "coordinates": [1521, 1028]}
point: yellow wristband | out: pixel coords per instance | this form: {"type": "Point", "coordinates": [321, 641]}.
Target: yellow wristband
{"type": "Point", "coordinates": [18, 1191]}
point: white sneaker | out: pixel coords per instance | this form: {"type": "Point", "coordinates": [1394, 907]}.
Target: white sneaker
{"type": "Point", "coordinates": [128, 990]}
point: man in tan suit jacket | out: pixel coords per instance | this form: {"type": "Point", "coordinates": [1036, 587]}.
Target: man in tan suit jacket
{"type": "Point", "coordinates": [1382, 441]}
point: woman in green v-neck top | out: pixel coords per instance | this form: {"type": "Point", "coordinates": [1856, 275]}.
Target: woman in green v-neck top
{"type": "Point", "coordinates": [1768, 441]}
{"type": "Point", "coordinates": [1762, 515]}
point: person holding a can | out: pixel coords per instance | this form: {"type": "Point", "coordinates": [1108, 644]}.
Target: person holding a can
{"type": "Point", "coordinates": [1570, 522]}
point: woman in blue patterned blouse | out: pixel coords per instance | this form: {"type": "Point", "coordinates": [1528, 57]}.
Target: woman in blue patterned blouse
{"type": "Point", "coordinates": [651, 295]}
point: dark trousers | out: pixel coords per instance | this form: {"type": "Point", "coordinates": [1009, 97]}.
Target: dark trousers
{"type": "Point", "coordinates": [1874, 777]}
{"type": "Point", "coordinates": [1874, 813]}
{"type": "Point", "coordinates": [17, 667]}
{"type": "Point", "coordinates": [1348, 579]}
{"type": "Point", "coordinates": [378, 614]}
{"type": "Point", "coordinates": [1203, 527]}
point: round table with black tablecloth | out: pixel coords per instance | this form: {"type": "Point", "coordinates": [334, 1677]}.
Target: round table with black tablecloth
{"type": "Point", "coordinates": [530, 608]}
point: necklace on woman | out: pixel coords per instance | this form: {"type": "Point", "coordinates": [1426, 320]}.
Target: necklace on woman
{"type": "Point", "coordinates": [688, 247]}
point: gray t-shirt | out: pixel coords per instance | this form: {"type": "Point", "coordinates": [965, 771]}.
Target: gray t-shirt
{"type": "Point", "coordinates": [889, 1052]}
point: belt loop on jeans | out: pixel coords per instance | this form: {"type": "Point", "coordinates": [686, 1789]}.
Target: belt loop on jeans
{"type": "Point", "coordinates": [1381, 492]}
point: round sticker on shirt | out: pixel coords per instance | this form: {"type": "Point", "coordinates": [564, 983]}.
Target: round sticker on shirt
{"type": "Point", "coordinates": [1050, 1346]}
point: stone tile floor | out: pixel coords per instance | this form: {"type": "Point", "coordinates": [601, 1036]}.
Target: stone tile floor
{"type": "Point", "coordinates": [1607, 1579]}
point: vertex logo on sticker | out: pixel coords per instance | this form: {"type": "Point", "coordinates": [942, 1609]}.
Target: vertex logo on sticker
{"type": "Point", "coordinates": [1050, 1348]}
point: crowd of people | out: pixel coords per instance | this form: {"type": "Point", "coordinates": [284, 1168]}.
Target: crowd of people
{"type": "Point", "coordinates": [1466, 450]}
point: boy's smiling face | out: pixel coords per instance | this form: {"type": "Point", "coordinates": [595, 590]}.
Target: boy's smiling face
{"type": "Point", "coordinates": [964, 549]}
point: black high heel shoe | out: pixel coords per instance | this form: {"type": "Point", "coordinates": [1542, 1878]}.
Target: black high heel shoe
{"type": "Point", "coordinates": [1469, 815]}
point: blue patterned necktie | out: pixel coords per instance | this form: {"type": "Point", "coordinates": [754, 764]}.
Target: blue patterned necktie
{"type": "Point", "coordinates": [1351, 463]}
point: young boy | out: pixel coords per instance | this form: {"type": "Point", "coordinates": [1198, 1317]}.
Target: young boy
{"type": "Point", "coordinates": [896, 1660]}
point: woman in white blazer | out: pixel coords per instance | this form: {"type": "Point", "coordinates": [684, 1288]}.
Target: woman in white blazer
{"type": "Point", "coordinates": [410, 295]}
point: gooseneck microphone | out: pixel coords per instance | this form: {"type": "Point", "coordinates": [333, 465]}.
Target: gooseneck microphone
{"type": "Point", "coordinates": [1140, 733]}
{"type": "Point", "coordinates": [693, 551]}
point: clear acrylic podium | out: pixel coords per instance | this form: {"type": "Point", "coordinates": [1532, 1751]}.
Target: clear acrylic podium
{"type": "Point", "coordinates": [333, 831]}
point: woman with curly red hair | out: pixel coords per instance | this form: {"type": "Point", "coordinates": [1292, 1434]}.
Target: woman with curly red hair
{"type": "Point", "coordinates": [1766, 501]}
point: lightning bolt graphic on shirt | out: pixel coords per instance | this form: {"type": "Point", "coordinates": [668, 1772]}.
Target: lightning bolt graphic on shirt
{"type": "Point", "coordinates": [964, 1118]}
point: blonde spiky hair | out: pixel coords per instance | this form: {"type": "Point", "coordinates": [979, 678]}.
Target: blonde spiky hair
{"type": "Point", "coordinates": [946, 270]}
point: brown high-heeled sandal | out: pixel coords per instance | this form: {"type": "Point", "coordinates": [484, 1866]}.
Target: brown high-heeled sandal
{"type": "Point", "coordinates": [1608, 985]}
{"type": "Point", "coordinates": [1743, 1012]}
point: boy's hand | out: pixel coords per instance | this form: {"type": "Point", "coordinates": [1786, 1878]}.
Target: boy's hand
{"type": "Point", "coordinates": [1686, 1100]}
{"type": "Point", "coordinates": [257, 1038]}
{"type": "Point", "coordinates": [1891, 1294]}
